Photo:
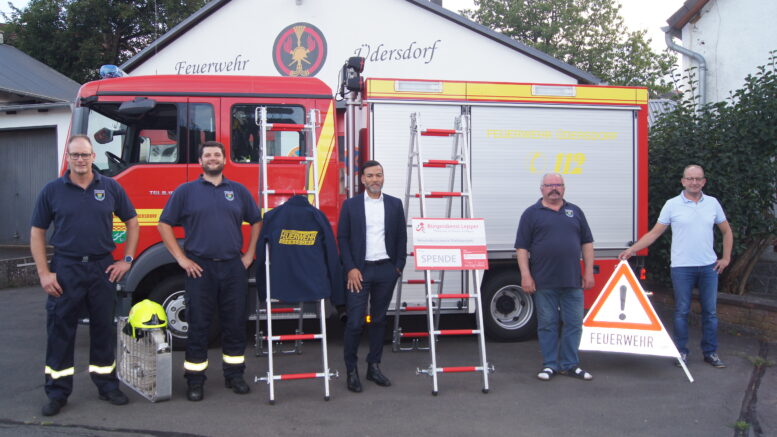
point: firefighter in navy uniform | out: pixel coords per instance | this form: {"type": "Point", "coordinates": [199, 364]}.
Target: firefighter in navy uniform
{"type": "Point", "coordinates": [211, 210]}
{"type": "Point", "coordinates": [81, 204]}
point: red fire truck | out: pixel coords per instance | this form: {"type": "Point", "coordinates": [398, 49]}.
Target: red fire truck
{"type": "Point", "coordinates": [146, 130]}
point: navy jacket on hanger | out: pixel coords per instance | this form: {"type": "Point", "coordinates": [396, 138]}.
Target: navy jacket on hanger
{"type": "Point", "coordinates": [304, 264]}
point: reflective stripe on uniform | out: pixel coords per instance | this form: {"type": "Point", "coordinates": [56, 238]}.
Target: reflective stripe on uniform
{"type": "Point", "coordinates": [56, 374]}
{"type": "Point", "coordinates": [195, 367]}
{"type": "Point", "coordinates": [228, 359]}
{"type": "Point", "coordinates": [102, 370]}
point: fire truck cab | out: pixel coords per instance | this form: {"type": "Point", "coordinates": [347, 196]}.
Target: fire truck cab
{"type": "Point", "coordinates": [146, 131]}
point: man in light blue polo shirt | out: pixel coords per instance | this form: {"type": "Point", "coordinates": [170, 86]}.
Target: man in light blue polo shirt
{"type": "Point", "coordinates": [693, 216]}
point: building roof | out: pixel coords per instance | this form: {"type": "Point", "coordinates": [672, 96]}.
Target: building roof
{"type": "Point", "coordinates": [685, 14]}
{"type": "Point", "coordinates": [22, 75]}
{"type": "Point", "coordinates": [214, 5]}
{"type": "Point", "coordinates": [659, 107]}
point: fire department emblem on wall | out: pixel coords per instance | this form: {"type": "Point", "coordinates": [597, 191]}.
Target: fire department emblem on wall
{"type": "Point", "coordinates": [299, 50]}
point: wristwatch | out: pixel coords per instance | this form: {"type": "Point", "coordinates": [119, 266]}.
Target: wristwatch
{"type": "Point", "coordinates": [128, 259]}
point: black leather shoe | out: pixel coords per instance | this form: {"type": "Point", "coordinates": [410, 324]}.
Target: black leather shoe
{"type": "Point", "coordinates": [375, 375]}
{"type": "Point", "coordinates": [354, 384]}
{"type": "Point", "coordinates": [195, 392]}
{"type": "Point", "coordinates": [237, 384]}
{"type": "Point", "coordinates": [53, 406]}
{"type": "Point", "coordinates": [115, 397]}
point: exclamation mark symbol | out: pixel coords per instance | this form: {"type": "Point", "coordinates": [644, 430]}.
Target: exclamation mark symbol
{"type": "Point", "coordinates": [623, 303]}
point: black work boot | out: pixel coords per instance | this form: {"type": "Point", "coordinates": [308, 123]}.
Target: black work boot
{"type": "Point", "coordinates": [195, 391]}
{"type": "Point", "coordinates": [237, 384]}
{"type": "Point", "coordinates": [115, 397]}
{"type": "Point", "coordinates": [375, 375]}
{"type": "Point", "coordinates": [354, 384]}
{"type": "Point", "coordinates": [52, 407]}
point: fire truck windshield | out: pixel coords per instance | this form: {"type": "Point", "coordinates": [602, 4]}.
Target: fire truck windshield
{"type": "Point", "coordinates": [155, 137]}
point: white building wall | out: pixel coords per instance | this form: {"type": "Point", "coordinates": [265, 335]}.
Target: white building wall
{"type": "Point", "coordinates": [735, 37]}
{"type": "Point", "coordinates": [30, 119]}
{"type": "Point", "coordinates": [243, 32]}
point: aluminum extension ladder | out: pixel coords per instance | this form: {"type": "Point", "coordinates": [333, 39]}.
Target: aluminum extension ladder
{"type": "Point", "coordinates": [434, 291]}
{"type": "Point", "coordinates": [310, 160]}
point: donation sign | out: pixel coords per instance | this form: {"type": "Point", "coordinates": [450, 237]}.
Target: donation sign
{"type": "Point", "coordinates": [449, 244]}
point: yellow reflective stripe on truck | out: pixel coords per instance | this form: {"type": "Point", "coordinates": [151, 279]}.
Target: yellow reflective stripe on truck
{"type": "Point", "coordinates": [390, 89]}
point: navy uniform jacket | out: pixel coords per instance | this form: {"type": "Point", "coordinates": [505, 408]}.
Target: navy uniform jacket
{"type": "Point", "coordinates": [303, 254]}
{"type": "Point", "coordinates": [352, 232]}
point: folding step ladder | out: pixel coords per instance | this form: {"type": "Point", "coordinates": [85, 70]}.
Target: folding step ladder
{"type": "Point", "coordinates": [310, 160]}
{"type": "Point", "coordinates": [434, 297]}
{"type": "Point", "coordinates": [459, 136]}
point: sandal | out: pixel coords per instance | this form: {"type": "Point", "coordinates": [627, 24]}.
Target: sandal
{"type": "Point", "coordinates": [578, 373]}
{"type": "Point", "coordinates": [546, 373]}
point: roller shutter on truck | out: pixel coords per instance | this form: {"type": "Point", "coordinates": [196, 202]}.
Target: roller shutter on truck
{"type": "Point", "coordinates": [593, 148]}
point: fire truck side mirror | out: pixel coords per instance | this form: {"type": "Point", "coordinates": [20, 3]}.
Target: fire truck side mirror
{"type": "Point", "coordinates": [355, 84]}
{"type": "Point", "coordinates": [356, 63]}
{"type": "Point", "coordinates": [138, 106]}
{"type": "Point", "coordinates": [352, 80]}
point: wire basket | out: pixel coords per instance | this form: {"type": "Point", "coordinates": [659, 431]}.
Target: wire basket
{"type": "Point", "coordinates": [145, 364]}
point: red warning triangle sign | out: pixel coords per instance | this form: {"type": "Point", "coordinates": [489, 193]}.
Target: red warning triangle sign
{"type": "Point", "coordinates": [623, 305]}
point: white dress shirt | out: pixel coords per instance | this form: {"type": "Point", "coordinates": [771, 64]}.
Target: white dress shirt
{"type": "Point", "coordinates": [376, 232]}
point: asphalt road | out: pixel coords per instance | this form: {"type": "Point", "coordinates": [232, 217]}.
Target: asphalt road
{"type": "Point", "coordinates": [630, 395]}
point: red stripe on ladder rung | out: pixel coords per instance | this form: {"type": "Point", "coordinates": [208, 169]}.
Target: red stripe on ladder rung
{"type": "Point", "coordinates": [288, 158]}
{"type": "Point", "coordinates": [450, 296]}
{"type": "Point", "coordinates": [296, 337]}
{"type": "Point", "coordinates": [438, 132]}
{"type": "Point", "coordinates": [440, 163]}
{"type": "Point", "coordinates": [290, 376]}
{"type": "Point", "coordinates": [285, 127]}
{"type": "Point", "coordinates": [280, 310]}
{"type": "Point", "coordinates": [456, 332]}
{"type": "Point", "coordinates": [458, 369]}
{"type": "Point", "coordinates": [414, 308]}
{"type": "Point", "coordinates": [438, 194]}
{"type": "Point", "coordinates": [414, 334]}
{"type": "Point", "coordinates": [419, 281]}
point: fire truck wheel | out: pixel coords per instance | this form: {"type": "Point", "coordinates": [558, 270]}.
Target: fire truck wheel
{"type": "Point", "coordinates": [170, 294]}
{"type": "Point", "coordinates": [508, 312]}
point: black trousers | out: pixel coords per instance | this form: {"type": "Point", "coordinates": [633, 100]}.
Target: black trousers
{"type": "Point", "coordinates": [377, 289]}
{"type": "Point", "coordinates": [85, 285]}
{"type": "Point", "coordinates": [223, 287]}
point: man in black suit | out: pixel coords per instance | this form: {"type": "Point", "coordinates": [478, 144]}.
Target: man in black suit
{"type": "Point", "coordinates": [372, 236]}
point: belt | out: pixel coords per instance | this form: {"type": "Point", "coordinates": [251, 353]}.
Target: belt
{"type": "Point", "coordinates": [377, 263]}
{"type": "Point", "coordinates": [85, 258]}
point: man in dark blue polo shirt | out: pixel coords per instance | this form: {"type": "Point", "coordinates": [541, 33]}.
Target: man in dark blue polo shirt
{"type": "Point", "coordinates": [211, 210]}
{"type": "Point", "coordinates": [551, 236]}
{"type": "Point", "coordinates": [81, 205]}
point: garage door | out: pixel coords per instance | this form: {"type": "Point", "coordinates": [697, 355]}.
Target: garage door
{"type": "Point", "coordinates": [28, 160]}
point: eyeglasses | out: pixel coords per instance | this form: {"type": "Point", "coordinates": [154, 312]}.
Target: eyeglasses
{"type": "Point", "coordinates": [552, 185]}
{"type": "Point", "coordinates": [76, 156]}
{"type": "Point", "coordinates": [694, 179]}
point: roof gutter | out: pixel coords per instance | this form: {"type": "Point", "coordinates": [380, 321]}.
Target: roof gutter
{"type": "Point", "coordinates": [35, 106]}
{"type": "Point", "coordinates": [697, 56]}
